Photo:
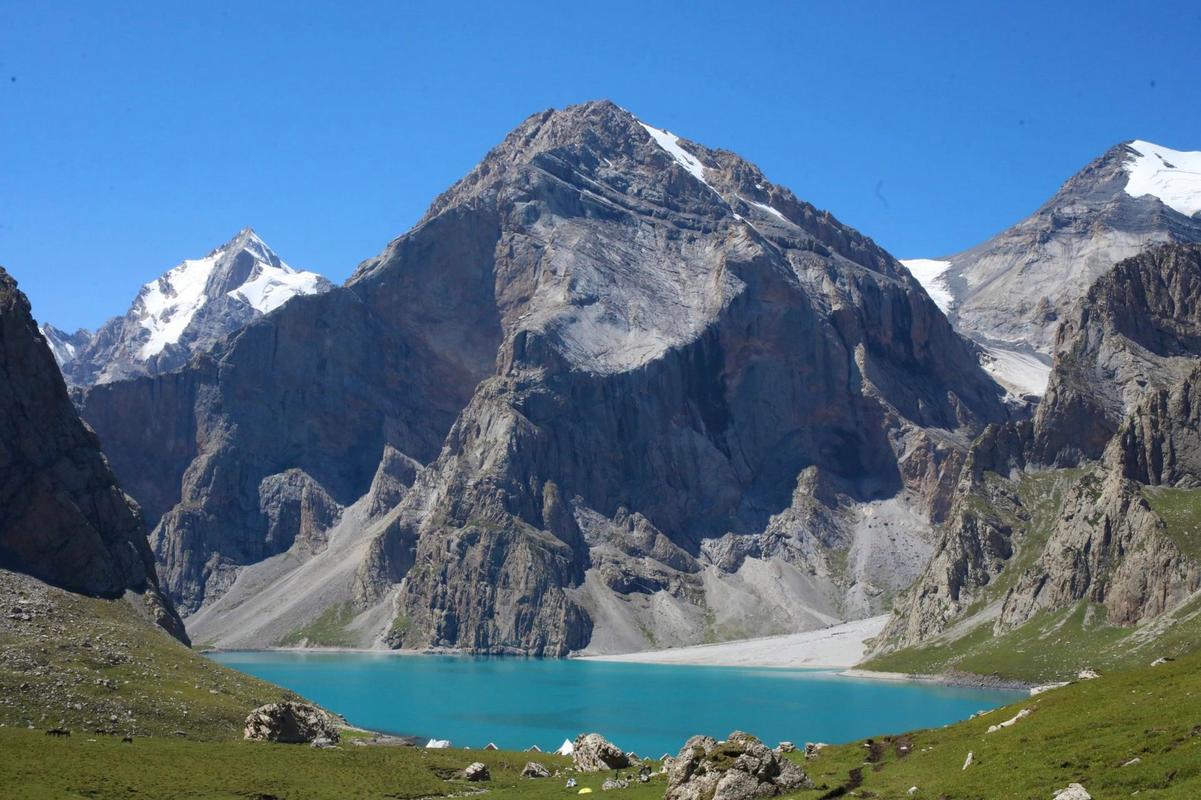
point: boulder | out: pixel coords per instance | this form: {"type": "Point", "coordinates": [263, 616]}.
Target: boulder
{"type": "Point", "coordinates": [739, 768]}
{"type": "Point", "coordinates": [533, 769]}
{"type": "Point", "coordinates": [592, 752]}
{"type": "Point", "coordinates": [477, 772]}
{"type": "Point", "coordinates": [614, 784]}
{"type": "Point", "coordinates": [1074, 791]}
{"type": "Point", "coordinates": [786, 747]}
{"type": "Point", "coordinates": [291, 723]}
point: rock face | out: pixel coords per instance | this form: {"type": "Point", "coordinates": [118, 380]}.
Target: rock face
{"type": "Point", "coordinates": [739, 768]}
{"type": "Point", "coordinates": [651, 391]}
{"type": "Point", "coordinates": [1089, 489]}
{"type": "Point", "coordinates": [186, 310]}
{"type": "Point", "coordinates": [1011, 292]}
{"type": "Point", "coordinates": [63, 518]}
{"type": "Point", "coordinates": [1138, 329]}
{"type": "Point", "coordinates": [594, 753]}
{"type": "Point", "coordinates": [291, 723]}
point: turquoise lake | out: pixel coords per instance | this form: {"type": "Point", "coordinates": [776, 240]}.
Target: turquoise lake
{"type": "Point", "coordinates": [648, 708]}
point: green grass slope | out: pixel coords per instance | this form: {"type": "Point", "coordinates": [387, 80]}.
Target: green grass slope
{"type": "Point", "coordinates": [1053, 646]}
{"type": "Point", "coordinates": [33, 767]}
{"type": "Point", "coordinates": [1082, 733]}
{"type": "Point", "coordinates": [88, 664]}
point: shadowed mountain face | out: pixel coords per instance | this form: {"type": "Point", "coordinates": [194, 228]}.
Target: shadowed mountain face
{"type": "Point", "coordinates": [63, 519]}
{"type": "Point", "coordinates": [645, 384]}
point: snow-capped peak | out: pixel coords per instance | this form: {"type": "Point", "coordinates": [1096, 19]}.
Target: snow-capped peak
{"type": "Point", "coordinates": [166, 306]}
{"type": "Point", "coordinates": [65, 346]}
{"type": "Point", "coordinates": [1174, 176]}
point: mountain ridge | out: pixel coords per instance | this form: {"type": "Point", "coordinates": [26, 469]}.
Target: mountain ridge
{"type": "Point", "coordinates": [1009, 292]}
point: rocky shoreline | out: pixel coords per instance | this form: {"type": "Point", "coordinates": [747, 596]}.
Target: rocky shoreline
{"type": "Point", "coordinates": [953, 678]}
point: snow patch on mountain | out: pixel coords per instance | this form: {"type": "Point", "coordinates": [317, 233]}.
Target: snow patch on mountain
{"type": "Point", "coordinates": [770, 210]}
{"type": "Point", "coordinates": [271, 287]}
{"type": "Point", "coordinates": [65, 346]}
{"type": "Point", "coordinates": [1019, 372]}
{"type": "Point", "coordinates": [1174, 176]}
{"type": "Point", "coordinates": [166, 306]}
{"type": "Point", "coordinates": [671, 143]}
{"type": "Point", "coordinates": [929, 273]}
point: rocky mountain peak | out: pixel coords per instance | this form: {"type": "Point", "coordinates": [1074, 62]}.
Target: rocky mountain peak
{"type": "Point", "coordinates": [190, 308]}
{"type": "Point", "coordinates": [627, 365]}
{"type": "Point", "coordinates": [65, 346]}
{"type": "Point", "coordinates": [1011, 292]}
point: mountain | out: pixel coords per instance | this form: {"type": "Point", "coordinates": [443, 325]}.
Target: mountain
{"type": "Point", "coordinates": [63, 519]}
{"type": "Point", "coordinates": [614, 389]}
{"type": "Point", "coordinates": [88, 639]}
{"type": "Point", "coordinates": [1077, 533]}
{"type": "Point", "coordinates": [65, 346]}
{"type": "Point", "coordinates": [188, 309]}
{"type": "Point", "coordinates": [1010, 292]}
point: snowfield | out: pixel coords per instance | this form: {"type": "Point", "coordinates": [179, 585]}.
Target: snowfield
{"type": "Point", "coordinates": [928, 272]}
{"type": "Point", "coordinates": [1174, 176]}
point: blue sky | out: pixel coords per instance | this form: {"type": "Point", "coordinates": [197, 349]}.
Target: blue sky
{"type": "Point", "coordinates": [135, 135]}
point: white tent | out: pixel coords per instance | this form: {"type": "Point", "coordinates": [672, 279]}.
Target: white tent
{"type": "Point", "coordinates": [437, 744]}
{"type": "Point", "coordinates": [566, 749]}
{"type": "Point", "coordinates": [533, 749]}
{"type": "Point", "coordinates": [491, 746]}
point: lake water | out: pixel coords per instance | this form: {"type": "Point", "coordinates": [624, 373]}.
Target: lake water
{"type": "Point", "coordinates": [647, 708]}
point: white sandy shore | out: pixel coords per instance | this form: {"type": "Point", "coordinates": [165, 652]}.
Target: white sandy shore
{"type": "Point", "coordinates": [830, 648]}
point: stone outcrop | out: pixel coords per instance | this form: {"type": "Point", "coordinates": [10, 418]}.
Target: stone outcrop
{"type": "Point", "coordinates": [476, 772]}
{"type": "Point", "coordinates": [1159, 444]}
{"type": "Point", "coordinates": [633, 369]}
{"type": "Point", "coordinates": [594, 753]}
{"type": "Point", "coordinates": [740, 768]}
{"type": "Point", "coordinates": [63, 517]}
{"type": "Point", "coordinates": [533, 769]}
{"type": "Point", "coordinates": [1138, 329]}
{"type": "Point", "coordinates": [291, 723]}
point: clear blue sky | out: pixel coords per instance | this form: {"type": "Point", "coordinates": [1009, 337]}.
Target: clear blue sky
{"type": "Point", "coordinates": [135, 135]}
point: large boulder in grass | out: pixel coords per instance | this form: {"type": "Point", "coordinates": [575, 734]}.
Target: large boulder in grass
{"type": "Point", "coordinates": [594, 753]}
{"type": "Point", "coordinates": [739, 768]}
{"type": "Point", "coordinates": [291, 723]}
{"type": "Point", "coordinates": [477, 772]}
